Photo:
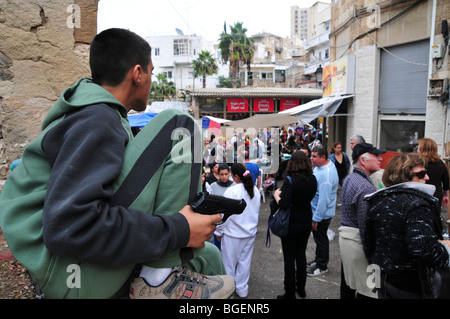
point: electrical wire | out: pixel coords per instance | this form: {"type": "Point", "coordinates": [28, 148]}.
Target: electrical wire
{"type": "Point", "coordinates": [381, 26]}
{"type": "Point", "coordinates": [387, 51]}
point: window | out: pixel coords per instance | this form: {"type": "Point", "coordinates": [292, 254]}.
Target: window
{"type": "Point", "coordinates": [156, 51]}
{"type": "Point", "coordinates": [401, 136]}
{"type": "Point", "coordinates": [180, 47]}
{"type": "Point", "coordinates": [403, 85]}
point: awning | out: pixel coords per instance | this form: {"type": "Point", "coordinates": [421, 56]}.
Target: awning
{"type": "Point", "coordinates": [210, 122]}
{"type": "Point", "coordinates": [140, 120]}
{"type": "Point", "coordinates": [216, 119]}
{"type": "Point", "coordinates": [263, 121]}
{"type": "Point", "coordinates": [324, 107]}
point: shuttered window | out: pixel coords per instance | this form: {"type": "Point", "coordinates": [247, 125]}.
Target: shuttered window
{"type": "Point", "coordinates": [403, 85]}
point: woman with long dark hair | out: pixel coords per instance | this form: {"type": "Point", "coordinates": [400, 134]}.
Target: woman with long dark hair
{"type": "Point", "coordinates": [237, 234]}
{"type": "Point", "coordinates": [298, 196]}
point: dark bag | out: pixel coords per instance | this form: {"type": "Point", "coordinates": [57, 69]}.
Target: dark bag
{"type": "Point", "coordinates": [435, 283]}
{"type": "Point", "coordinates": [278, 221]}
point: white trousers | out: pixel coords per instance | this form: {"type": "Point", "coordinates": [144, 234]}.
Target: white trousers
{"type": "Point", "coordinates": [237, 258]}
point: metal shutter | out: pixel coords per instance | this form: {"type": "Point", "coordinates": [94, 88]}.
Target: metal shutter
{"type": "Point", "coordinates": [403, 85]}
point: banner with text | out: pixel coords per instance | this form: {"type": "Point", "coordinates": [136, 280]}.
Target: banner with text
{"type": "Point", "coordinates": [263, 105]}
{"type": "Point", "coordinates": [286, 104]}
{"type": "Point", "coordinates": [237, 105]}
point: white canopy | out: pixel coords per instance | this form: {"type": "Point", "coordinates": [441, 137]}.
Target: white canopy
{"type": "Point", "coordinates": [324, 107]}
{"type": "Point", "coordinates": [302, 114]}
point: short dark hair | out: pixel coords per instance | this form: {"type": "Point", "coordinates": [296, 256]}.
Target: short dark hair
{"type": "Point", "coordinates": [114, 52]}
{"type": "Point", "coordinates": [223, 166]}
{"type": "Point", "coordinates": [321, 151]}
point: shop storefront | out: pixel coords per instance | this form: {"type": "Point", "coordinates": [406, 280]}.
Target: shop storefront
{"type": "Point", "coordinates": [237, 104]}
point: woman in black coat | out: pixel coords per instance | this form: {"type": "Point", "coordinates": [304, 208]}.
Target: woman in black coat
{"type": "Point", "coordinates": [402, 230]}
{"type": "Point", "coordinates": [298, 196]}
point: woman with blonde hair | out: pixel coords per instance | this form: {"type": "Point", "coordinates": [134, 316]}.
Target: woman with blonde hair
{"type": "Point", "coordinates": [402, 232]}
{"type": "Point", "coordinates": [436, 169]}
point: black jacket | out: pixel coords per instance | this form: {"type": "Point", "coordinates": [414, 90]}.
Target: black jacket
{"type": "Point", "coordinates": [298, 196]}
{"type": "Point", "coordinates": [403, 228]}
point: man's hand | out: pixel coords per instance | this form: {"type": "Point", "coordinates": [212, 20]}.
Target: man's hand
{"type": "Point", "coordinates": [201, 226]}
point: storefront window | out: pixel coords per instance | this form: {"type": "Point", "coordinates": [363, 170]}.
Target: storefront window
{"type": "Point", "coordinates": [400, 136]}
{"type": "Point", "coordinates": [210, 105]}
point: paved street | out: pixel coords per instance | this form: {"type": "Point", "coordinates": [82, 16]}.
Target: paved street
{"type": "Point", "coordinates": [266, 277]}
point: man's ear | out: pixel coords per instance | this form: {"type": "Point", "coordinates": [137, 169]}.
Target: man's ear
{"type": "Point", "coordinates": [136, 74]}
{"type": "Point", "coordinates": [362, 160]}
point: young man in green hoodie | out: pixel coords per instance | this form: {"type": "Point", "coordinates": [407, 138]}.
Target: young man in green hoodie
{"type": "Point", "coordinates": [90, 202]}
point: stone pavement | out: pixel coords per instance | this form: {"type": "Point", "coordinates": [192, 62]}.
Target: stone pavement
{"type": "Point", "coordinates": [266, 276]}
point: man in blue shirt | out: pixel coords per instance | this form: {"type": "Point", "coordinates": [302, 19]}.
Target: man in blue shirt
{"type": "Point", "coordinates": [323, 207]}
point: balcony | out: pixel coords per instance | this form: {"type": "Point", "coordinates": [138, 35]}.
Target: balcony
{"type": "Point", "coordinates": [183, 59]}
{"type": "Point", "coordinates": [316, 41]}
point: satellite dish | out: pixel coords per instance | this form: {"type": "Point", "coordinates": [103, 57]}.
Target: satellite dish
{"type": "Point", "coordinates": [179, 31]}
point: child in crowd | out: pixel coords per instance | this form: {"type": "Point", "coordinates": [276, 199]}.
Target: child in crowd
{"type": "Point", "coordinates": [238, 234]}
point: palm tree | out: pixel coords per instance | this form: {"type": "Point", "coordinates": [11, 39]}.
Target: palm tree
{"type": "Point", "coordinates": [204, 65]}
{"type": "Point", "coordinates": [162, 89]}
{"type": "Point", "coordinates": [236, 47]}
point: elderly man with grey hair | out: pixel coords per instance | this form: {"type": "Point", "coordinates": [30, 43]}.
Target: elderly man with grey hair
{"type": "Point", "coordinates": [366, 160]}
{"type": "Point", "coordinates": [356, 139]}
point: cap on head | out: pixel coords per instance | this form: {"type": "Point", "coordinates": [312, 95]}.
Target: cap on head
{"type": "Point", "coordinates": [362, 148]}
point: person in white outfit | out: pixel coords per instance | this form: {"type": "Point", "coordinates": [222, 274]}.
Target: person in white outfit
{"type": "Point", "coordinates": [237, 234]}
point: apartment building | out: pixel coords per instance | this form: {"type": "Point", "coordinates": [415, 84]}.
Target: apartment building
{"type": "Point", "coordinates": [173, 55]}
{"type": "Point", "coordinates": [393, 57]}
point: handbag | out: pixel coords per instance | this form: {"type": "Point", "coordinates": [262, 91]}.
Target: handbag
{"type": "Point", "coordinates": [278, 222]}
{"type": "Point", "coordinates": [435, 283]}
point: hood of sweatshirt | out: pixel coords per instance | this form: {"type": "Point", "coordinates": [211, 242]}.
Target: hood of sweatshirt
{"type": "Point", "coordinates": [84, 92]}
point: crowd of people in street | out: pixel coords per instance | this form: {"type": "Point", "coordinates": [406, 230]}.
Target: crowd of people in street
{"type": "Point", "coordinates": [88, 194]}
{"type": "Point", "coordinates": [394, 223]}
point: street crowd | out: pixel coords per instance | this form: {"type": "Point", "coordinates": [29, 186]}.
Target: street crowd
{"type": "Point", "coordinates": [375, 228]}
{"type": "Point", "coordinates": [89, 197]}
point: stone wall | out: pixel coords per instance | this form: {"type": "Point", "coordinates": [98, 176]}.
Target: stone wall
{"type": "Point", "coordinates": [44, 47]}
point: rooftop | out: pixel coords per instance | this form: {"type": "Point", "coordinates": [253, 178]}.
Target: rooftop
{"type": "Point", "coordinates": [258, 92]}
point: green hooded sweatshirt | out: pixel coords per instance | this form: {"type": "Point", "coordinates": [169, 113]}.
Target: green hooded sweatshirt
{"type": "Point", "coordinates": [56, 206]}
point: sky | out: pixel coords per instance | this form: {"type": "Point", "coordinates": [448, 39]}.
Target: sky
{"type": "Point", "coordinates": [201, 17]}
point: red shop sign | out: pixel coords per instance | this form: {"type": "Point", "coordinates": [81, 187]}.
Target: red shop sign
{"type": "Point", "coordinates": [237, 105]}
{"type": "Point", "coordinates": [286, 104]}
{"type": "Point", "coordinates": [263, 105]}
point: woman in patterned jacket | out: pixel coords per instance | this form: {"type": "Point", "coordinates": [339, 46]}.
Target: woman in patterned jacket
{"type": "Point", "coordinates": [401, 229]}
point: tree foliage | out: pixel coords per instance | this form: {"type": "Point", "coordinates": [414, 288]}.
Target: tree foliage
{"type": "Point", "coordinates": [204, 65]}
{"type": "Point", "coordinates": [236, 48]}
{"type": "Point", "coordinates": [162, 88]}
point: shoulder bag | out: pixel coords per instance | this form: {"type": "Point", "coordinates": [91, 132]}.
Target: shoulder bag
{"type": "Point", "coordinates": [278, 222]}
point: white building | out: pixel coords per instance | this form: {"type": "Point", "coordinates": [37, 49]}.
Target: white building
{"type": "Point", "coordinates": [318, 42]}
{"type": "Point", "coordinates": [173, 56]}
